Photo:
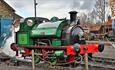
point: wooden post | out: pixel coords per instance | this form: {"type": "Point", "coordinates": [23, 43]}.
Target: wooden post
{"type": "Point", "coordinates": [86, 61]}
{"type": "Point", "coordinates": [33, 63]}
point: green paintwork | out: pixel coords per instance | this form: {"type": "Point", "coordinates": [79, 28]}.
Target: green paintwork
{"type": "Point", "coordinates": [25, 27]}
{"type": "Point", "coordinates": [48, 29]}
{"type": "Point", "coordinates": [59, 54]}
{"type": "Point", "coordinates": [23, 38]}
{"type": "Point", "coordinates": [56, 42]}
{"type": "Point", "coordinates": [54, 19]}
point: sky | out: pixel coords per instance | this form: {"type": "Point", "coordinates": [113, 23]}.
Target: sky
{"type": "Point", "coordinates": [50, 8]}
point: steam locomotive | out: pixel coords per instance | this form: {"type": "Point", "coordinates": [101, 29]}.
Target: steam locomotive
{"type": "Point", "coordinates": [56, 40]}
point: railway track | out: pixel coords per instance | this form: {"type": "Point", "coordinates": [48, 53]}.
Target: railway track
{"type": "Point", "coordinates": [101, 63]}
{"type": "Point", "coordinates": [110, 61]}
{"type": "Point", "coordinates": [95, 63]}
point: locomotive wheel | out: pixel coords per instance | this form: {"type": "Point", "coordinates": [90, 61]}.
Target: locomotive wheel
{"type": "Point", "coordinates": [53, 61]}
{"type": "Point", "coordinates": [78, 58]}
{"type": "Point", "coordinates": [36, 56]}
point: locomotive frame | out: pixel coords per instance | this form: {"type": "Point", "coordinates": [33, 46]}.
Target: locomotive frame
{"type": "Point", "coordinates": [54, 52]}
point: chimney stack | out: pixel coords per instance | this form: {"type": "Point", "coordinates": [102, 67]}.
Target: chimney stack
{"type": "Point", "coordinates": [73, 15]}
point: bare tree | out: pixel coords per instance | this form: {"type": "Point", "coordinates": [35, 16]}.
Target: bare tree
{"type": "Point", "coordinates": [92, 16]}
{"type": "Point", "coordinates": [100, 9]}
{"type": "Point", "coordinates": [83, 18]}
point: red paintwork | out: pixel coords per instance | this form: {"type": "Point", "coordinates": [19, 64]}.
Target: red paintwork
{"type": "Point", "coordinates": [84, 48]}
{"type": "Point", "coordinates": [44, 54]}
{"type": "Point", "coordinates": [47, 47]}
{"type": "Point", "coordinates": [88, 48]}
{"type": "Point", "coordinates": [70, 50]}
{"type": "Point", "coordinates": [27, 52]}
{"type": "Point", "coordinates": [14, 47]}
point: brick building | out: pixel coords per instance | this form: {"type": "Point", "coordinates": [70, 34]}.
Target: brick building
{"type": "Point", "coordinates": [7, 11]}
{"type": "Point", "coordinates": [99, 29]}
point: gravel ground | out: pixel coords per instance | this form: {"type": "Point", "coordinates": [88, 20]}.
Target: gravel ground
{"type": "Point", "coordinates": [108, 52]}
{"type": "Point", "coordinates": [6, 67]}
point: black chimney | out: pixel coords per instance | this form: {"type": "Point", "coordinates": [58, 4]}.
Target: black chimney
{"type": "Point", "coordinates": [73, 15]}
